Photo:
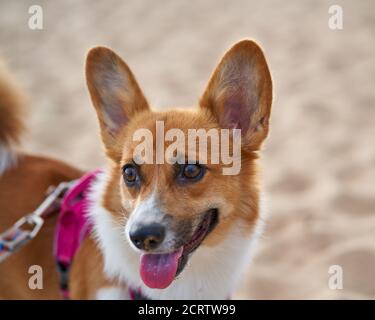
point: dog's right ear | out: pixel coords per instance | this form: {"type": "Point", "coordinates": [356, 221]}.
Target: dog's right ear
{"type": "Point", "coordinates": [115, 94]}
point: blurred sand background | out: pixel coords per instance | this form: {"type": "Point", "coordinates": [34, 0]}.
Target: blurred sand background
{"type": "Point", "coordinates": [320, 156]}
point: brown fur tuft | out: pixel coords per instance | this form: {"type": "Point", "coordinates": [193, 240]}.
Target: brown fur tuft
{"type": "Point", "coordinates": [11, 109]}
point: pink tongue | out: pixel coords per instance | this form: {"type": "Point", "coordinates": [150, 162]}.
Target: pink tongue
{"type": "Point", "coordinates": [158, 270]}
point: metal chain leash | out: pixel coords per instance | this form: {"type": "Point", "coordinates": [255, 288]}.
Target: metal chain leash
{"type": "Point", "coordinates": [26, 228]}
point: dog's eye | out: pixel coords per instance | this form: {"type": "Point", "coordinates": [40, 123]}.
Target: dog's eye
{"type": "Point", "coordinates": [192, 172]}
{"type": "Point", "coordinates": [130, 174]}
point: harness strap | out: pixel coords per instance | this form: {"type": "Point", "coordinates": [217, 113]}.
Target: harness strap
{"type": "Point", "coordinates": [72, 227]}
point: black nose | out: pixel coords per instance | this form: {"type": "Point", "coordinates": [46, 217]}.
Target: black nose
{"type": "Point", "coordinates": [148, 237]}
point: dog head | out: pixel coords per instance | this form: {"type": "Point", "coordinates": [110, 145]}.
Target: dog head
{"type": "Point", "coordinates": [174, 203]}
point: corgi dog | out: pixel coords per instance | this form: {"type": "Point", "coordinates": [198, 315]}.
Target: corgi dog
{"type": "Point", "coordinates": [163, 229]}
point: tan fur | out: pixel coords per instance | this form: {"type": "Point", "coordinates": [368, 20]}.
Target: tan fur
{"type": "Point", "coordinates": [11, 109]}
{"type": "Point", "coordinates": [87, 272]}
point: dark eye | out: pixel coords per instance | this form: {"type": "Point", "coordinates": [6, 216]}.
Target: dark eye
{"type": "Point", "coordinates": [130, 174]}
{"type": "Point", "coordinates": [192, 172]}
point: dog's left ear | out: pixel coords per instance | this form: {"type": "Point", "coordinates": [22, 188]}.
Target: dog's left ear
{"type": "Point", "coordinates": [115, 94]}
{"type": "Point", "coordinates": [239, 93]}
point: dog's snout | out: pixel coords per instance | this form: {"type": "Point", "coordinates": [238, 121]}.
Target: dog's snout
{"type": "Point", "coordinates": [148, 237]}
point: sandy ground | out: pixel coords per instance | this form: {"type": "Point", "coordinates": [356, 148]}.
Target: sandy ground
{"type": "Point", "coordinates": [320, 157]}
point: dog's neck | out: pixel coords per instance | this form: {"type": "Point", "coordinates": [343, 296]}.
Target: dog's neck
{"type": "Point", "coordinates": [212, 272]}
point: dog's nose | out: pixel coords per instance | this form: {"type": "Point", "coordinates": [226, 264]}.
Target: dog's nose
{"type": "Point", "coordinates": [148, 237]}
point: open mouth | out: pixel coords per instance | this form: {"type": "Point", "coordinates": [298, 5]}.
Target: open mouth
{"type": "Point", "coordinates": [159, 270]}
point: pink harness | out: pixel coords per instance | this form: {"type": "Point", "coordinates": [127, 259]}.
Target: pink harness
{"type": "Point", "coordinates": [72, 226]}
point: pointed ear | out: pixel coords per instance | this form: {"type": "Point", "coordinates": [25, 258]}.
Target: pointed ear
{"type": "Point", "coordinates": [115, 94]}
{"type": "Point", "coordinates": [239, 93]}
